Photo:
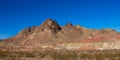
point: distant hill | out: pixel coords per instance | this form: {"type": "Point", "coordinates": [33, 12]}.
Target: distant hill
{"type": "Point", "coordinates": [53, 36]}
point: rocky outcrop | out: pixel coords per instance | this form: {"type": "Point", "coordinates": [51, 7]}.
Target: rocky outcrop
{"type": "Point", "coordinates": [50, 25]}
{"type": "Point", "coordinates": [69, 25]}
{"type": "Point", "coordinates": [26, 32]}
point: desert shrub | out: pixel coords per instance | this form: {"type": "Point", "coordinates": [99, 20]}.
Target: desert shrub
{"type": "Point", "coordinates": [3, 54]}
{"type": "Point", "coordinates": [65, 55]}
{"type": "Point", "coordinates": [29, 55]}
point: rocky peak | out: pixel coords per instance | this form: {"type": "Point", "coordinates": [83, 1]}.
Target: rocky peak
{"type": "Point", "coordinates": [33, 28]}
{"type": "Point", "coordinates": [69, 25]}
{"type": "Point", "coordinates": [79, 27]}
{"type": "Point", "coordinates": [50, 24]}
{"type": "Point", "coordinates": [27, 31]}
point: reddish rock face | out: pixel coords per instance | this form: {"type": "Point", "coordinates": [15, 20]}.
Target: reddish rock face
{"type": "Point", "coordinates": [51, 34]}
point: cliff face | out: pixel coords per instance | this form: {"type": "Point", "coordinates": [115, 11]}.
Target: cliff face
{"type": "Point", "coordinates": [50, 34]}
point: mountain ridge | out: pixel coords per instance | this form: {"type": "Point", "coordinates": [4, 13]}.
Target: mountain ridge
{"type": "Point", "coordinates": [51, 35]}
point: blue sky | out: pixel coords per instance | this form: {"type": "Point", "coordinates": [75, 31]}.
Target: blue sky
{"type": "Point", "coordinates": [16, 15]}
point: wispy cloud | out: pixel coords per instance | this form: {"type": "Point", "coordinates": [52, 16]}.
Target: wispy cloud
{"type": "Point", "coordinates": [4, 36]}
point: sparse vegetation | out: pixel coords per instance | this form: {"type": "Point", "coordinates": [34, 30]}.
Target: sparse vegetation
{"type": "Point", "coordinates": [63, 55]}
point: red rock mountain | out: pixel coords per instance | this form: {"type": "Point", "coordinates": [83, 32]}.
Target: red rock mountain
{"type": "Point", "coordinates": [51, 35]}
